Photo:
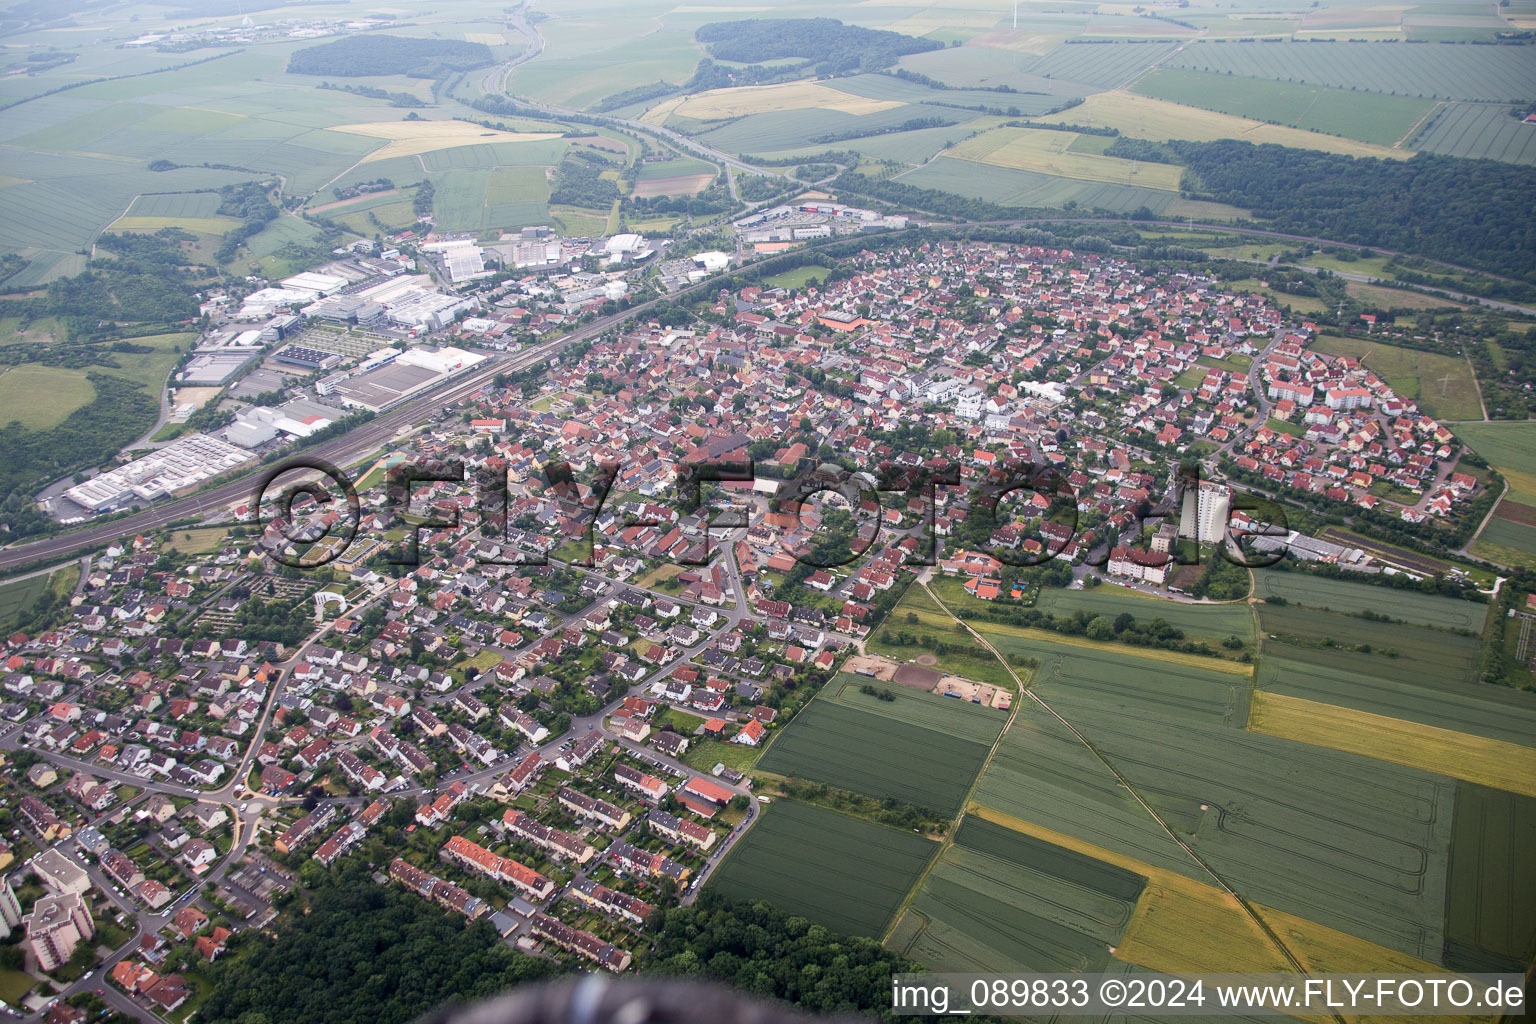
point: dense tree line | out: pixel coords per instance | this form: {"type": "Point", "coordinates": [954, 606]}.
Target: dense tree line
{"type": "Point", "coordinates": [773, 955]}
{"type": "Point", "coordinates": [363, 954]}
{"type": "Point", "coordinates": [1476, 213]}
{"type": "Point", "coordinates": [369, 54]}
{"type": "Point", "coordinates": [396, 99]}
{"type": "Point", "coordinates": [835, 47]}
{"type": "Point", "coordinates": [946, 204]}
{"type": "Point", "coordinates": [912, 124]}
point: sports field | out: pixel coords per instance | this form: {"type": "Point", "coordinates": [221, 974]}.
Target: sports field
{"type": "Point", "coordinates": [1368, 117]}
{"type": "Point", "coordinates": [1000, 900]}
{"type": "Point", "coordinates": [1506, 766]}
{"type": "Point", "coordinates": [901, 638]}
{"type": "Point", "coordinates": [847, 874]}
{"type": "Point", "coordinates": [1443, 386]}
{"type": "Point", "coordinates": [1346, 596]}
{"type": "Point", "coordinates": [876, 755]}
{"type": "Point", "coordinates": [1142, 117]}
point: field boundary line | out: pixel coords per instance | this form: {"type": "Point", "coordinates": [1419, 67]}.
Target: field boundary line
{"type": "Point", "coordinates": [949, 837]}
{"type": "Point", "coordinates": [1195, 661]}
{"type": "Point", "coordinates": [1247, 907]}
{"type": "Point", "coordinates": [1414, 130]}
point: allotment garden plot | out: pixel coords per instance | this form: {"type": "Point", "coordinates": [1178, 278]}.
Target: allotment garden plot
{"type": "Point", "coordinates": [845, 873]}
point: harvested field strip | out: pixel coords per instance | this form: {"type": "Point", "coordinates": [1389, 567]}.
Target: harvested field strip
{"type": "Point", "coordinates": [867, 753]}
{"type": "Point", "coordinates": [1491, 892]}
{"type": "Point", "coordinates": [1345, 596]}
{"type": "Point", "coordinates": [847, 874]}
{"type": "Point", "coordinates": [960, 719]}
{"type": "Point", "coordinates": [757, 99]}
{"type": "Point", "coordinates": [1184, 926]}
{"type": "Point", "coordinates": [1046, 636]}
{"type": "Point", "coordinates": [1142, 117]}
{"type": "Point", "coordinates": [1506, 766]}
{"type": "Point", "coordinates": [1516, 513]}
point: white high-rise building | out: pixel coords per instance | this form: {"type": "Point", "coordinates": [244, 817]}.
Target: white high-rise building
{"type": "Point", "coordinates": [10, 908]}
{"type": "Point", "coordinates": [1204, 513]}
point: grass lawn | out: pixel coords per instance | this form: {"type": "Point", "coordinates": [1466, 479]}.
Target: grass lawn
{"type": "Point", "coordinates": [1443, 385]}
{"type": "Point", "coordinates": [681, 721]}
{"type": "Point", "coordinates": [480, 662]}
{"type": "Point", "coordinates": [14, 985]}
{"type": "Point", "coordinates": [197, 542]}
{"type": "Point", "coordinates": [1283, 427]}
{"type": "Point", "coordinates": [39, 397]}
{"type": "Point", "coordinates": [703, 755]}
{"type": "Point", "coordinates": [796, 278]}
{"type": "Point", "coordinates": [1235, 363]}
{"type": "Point", "coordinates": [1191, 378]}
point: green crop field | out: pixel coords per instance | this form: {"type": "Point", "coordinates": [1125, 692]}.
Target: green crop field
{"type": "Point", "coordinates": [18, 595]}
{"type": "Point", "coordinates": [674, 168]}
{"type": "Point", "coordinates": [1496, 73]}
{"type": "Point", "coordinates": [847, 874]}
{"type": "Point", "coordinates": [1346, 596]}
{"type": "Point", "coordinates": [960, 719]}
{"type": "Point", "coordinates": [1478, 130]}
{"type": "Point", "coordinates": [876, 755]}
{"type": "Point", "coordinates": [1101, 65]}
{"type": "Point", "coordinates": [1351, 843]}
{"type": "Point", "coordinates": [1306, 633]}
{"type": "Point", "coordinates": [1510, 448]}
{"type": "Point", "coordinates": [1444, 387]}
{"type": "Point", "coordinates": [178, 205]}
{"type": "Point", "coordinates": [1504, 532]}
{"type": "Point", "coordinates": [999, 900]}
{"type": "Point", "coordinates": [1012, 187]}
{"type": "Point", "coordinates": [1490, 913]}
{"type": "Point", "coordinates": [1369, 117]}
{"type": "Point", "coordinates": [1216, 622]}
{"type": "Point", "coordinates": [1368, 683]}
